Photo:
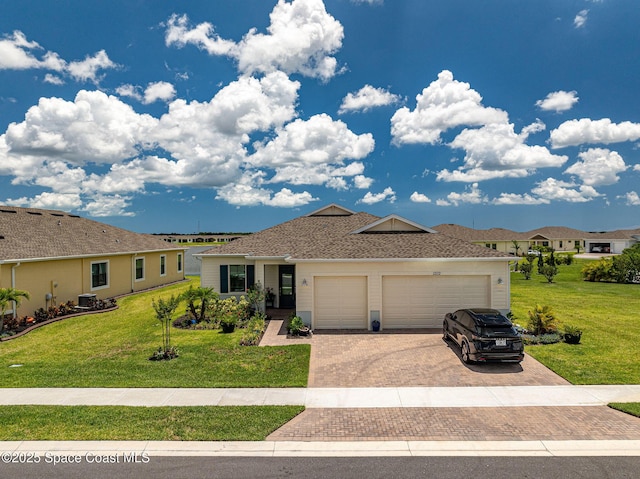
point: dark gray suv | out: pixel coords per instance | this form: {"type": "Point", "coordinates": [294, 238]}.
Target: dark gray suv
{"type": "Point", "coordinates": [483, 335]}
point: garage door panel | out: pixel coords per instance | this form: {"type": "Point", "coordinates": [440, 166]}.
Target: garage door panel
{"type": "Point", "coordinates": [340, 302]}
{"type": "Point", "coordinates": [422, 301]}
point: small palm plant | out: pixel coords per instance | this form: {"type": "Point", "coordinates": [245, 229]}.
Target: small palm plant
{"type": "Point", "coordinates": [542, 320]}
{"type": "Point", "coordinates": [10, 295]}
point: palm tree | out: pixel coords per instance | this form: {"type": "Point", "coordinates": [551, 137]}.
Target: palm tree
{"type": "Point", "coordinates": [10, 295]}
{"type": "Point", "coordinates": [201, 294]}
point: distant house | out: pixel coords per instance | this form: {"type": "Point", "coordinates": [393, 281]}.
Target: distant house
{"type": "Point", "coordinates": [558, 238]}
{"type": "Point", "coordinates": [611, 241]}
{"type": "Point", "coordinates": [498, 239]}
{"type": "Point", "coordinates": [340, 269]}
{"type": "Point", "coordinates": [57, 257]}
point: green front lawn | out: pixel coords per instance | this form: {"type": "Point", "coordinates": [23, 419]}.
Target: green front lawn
{"type": "Point", "coordinates": [632, 408]}
{"type": "Point", "coordinates": [112, 350]}
{"type": "Point", "coordinates": [116, 423]}
{"type": "Point", "coordinates": [607, 314]}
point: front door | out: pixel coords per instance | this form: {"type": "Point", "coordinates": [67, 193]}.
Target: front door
{"type": "Point", "coordinates": [287, 288]}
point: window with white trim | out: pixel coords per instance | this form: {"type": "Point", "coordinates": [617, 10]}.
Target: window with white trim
{"type": "Point", "coordinates": [139, 269]}
{"type": "Point", "coordinates": [179, 262]}
{"type": "Point", "coordinates": [163, 265]}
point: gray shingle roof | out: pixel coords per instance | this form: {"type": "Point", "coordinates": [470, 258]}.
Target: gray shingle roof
{"type": "Point", "coordinates": [332, 237]}
{"type": "Point", "coordinates": [28, 233]}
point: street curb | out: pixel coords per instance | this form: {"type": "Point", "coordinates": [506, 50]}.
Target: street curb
{"type": "Point", "coordinates": [148, 449]}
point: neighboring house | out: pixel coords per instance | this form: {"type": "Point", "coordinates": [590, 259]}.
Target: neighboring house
{"type": "Point", "coordinates": [559, 238]}
{"type": "Point", "coordinates": [499, 239]}
{"type": "Point", "coordinates": [57, 257]}
{"type": "Point", "coordinates": [611, 241]}
{"type": "Point", "coordinates": [342, 270]}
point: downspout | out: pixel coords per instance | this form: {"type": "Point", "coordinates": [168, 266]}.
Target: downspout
{"type": "Point", "coordinates": [13, 285]}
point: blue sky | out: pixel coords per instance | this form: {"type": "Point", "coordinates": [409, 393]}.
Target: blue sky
{"type": "Point", "coordinates": [236, 115]}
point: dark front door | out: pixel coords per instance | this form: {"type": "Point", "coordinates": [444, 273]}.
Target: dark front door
{"type": "Point", "coordinates": [287, 288]}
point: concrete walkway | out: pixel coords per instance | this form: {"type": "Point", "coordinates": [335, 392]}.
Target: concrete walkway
{"type": "Point", "coordinates": [392, 397]}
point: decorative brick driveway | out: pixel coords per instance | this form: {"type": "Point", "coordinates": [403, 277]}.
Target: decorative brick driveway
{"type": "Point", "coordinates": [410, 358]}
{"type": "Point", "coordinates": [419, 358]}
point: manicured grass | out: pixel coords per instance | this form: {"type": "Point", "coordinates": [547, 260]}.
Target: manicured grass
{"type": "Point", "coordinates": [112, 350]}
{"type": "Point", "coordinates": [116, 423]}
{"type": "Point", "coordinates": [606, 313]}
{"type": "Point", "coordinates": [632, 408]}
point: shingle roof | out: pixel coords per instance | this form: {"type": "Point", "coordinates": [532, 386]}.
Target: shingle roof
{"type": "Point", "coordinates": [556, 232]}
{"type": "Point", "coordinates": [470, 234]}
{"type": "Point", "coordinates": [29, 233]}
{"type": "Point", "coordinates": [333, 237]}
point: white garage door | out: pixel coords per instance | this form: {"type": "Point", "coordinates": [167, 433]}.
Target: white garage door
{"type": "Point", "coordinates": [422, 301]}
{"type": "Point", "coordinates": [340, 302]}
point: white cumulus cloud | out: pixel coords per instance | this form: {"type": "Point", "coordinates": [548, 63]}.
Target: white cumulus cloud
{"type": "Point", "coordinates": [366, 98]}
{"type": "Point", "coordinates": [558, 101]}
{"type": "Point", "coordinates": [419, 198]}
{"type": "Point", "coordinates": [446, 103]}
{"type": "Point", "coordinates": [588, 131]}
{"type": "Point", "coordinates": [371, 198]}
{"type": "Point", "coordinates": [597, 167]}
{"type": "Point", "coordinates": [631, 198]}
{"type": "Point", "coordinates": [471, 195]}
{"type": "Point", "coordinates": [556, 190]}
{"type": "Point", "coordinates": [159, 91]}
{"type": "Point", "coordinates": [301, 38]}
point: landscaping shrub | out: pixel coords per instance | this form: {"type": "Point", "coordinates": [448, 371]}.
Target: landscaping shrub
{"type": "Point", "coordinates": [254, 330]}
{"type": "Point", "coordinates": [542, 320]}
{"type": "Point", "coordinates": [548, 338]}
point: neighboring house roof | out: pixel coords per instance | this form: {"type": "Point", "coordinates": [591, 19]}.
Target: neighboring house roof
{"type": "Point", "coordinates": [29, 233]}
{"type": "Point", "coordinates": [337, 233]}
{"type": "Point", "coordinates": [555, 232]}
{"type": "Point", "coordinates": [546, 232]}
{"type": "Point", "coordinates": [615, 235]}
{"type": "Point", "coordinates": [470, 234]}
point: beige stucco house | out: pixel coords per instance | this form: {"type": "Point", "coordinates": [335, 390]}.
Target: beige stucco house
{"type": "Point", "coordinates": [341, 269]}
{"type": "Point", "coordinates": [57, 257]}
{"type": "Point", "coordinates": [558, 238]}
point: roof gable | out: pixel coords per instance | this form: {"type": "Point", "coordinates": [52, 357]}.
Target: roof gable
{"type": "Point", "coordinates": [393, 224]}
{"type": "Point", "coordinates": [332, 210]}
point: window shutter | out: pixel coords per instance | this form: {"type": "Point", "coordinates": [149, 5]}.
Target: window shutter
{"type": "Point", "coordinates": [224, 278]}
{"type": "Point", "coordinates": [251, 275]}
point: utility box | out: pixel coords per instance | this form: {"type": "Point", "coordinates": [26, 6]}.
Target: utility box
{"type": "Point", "coordinates": [85, 300]}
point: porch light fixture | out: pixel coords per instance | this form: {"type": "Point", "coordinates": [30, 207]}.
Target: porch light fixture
{"type": "Point", "coordinates": [304, 282]}
{"type": "Point", "coordinates": [500, 281]}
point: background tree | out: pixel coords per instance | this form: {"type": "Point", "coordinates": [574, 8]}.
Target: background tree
{"type": "Point", "coordinates": [549, 272]}
{"type": "Point", "coordinates": [526, 268]}
{"type": "Point", "coordinates": [7, 296]}
{"type": "Point", "coordinates": [516, 246]}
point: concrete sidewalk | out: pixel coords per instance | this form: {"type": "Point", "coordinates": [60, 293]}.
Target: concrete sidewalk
{"type": "Point", "coordinates": [143, 450]}
{"type": "Point", "coordinates": [390, 397]}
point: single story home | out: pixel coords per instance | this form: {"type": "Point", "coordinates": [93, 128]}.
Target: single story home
{"type": "Point", "coordinates": [340, 269]}
{"type": "Point", "coordinates": [559, 238]}
{"type": "Point", "coordinates": [57, 257]}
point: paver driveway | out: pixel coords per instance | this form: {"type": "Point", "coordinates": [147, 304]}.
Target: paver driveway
{"type": "Point", "coordinates": [423, 358]}
{"type": "Point", "coordinates": [411, 358]}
